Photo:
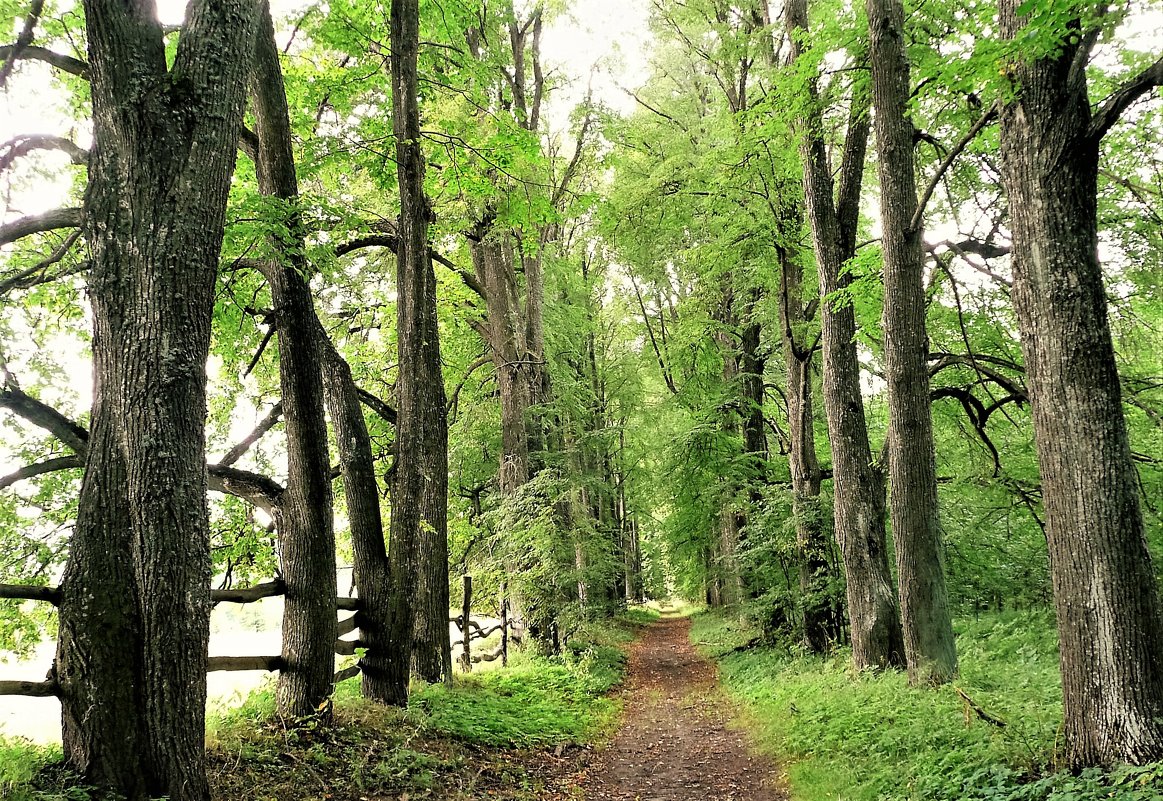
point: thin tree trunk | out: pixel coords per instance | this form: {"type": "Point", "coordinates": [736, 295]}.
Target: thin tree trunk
{"type": "Point", "coordinates": [304, 517]}
{"type": "Point", "coordinates": [1105, 589]}
{"type": "Point", "coordinates": [802, 461]}
{"type": "Point", "coordinates": [135, 599]}
{"type": "Point", "coordinates": [419, 501]}
{"type": "Point", "coordinates": [925, 618]}
{"type": "Point", "coordinates": [370, 553]}
{"type": "Point", "coordinates": [858, 487]}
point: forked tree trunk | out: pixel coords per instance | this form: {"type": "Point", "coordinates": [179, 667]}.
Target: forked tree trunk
{"type": "Point", "coordinates": [858, 487]}
{"type": "Point", "coordinates": [420, 496]}
{"type": "Point", "coordinates": [135, 605]}
{"type": "Point", "coordinates": [1105, 589]}
{"type": "Point", "coordinates": [304, 517]}
{"type": "Point", "coordinates": [924, 600]}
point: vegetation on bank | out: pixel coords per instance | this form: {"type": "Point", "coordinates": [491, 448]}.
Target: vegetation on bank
{"type": "Point", "coordinates": [991, 735]}
{"type": "Point", "coordinates": [488, 735]}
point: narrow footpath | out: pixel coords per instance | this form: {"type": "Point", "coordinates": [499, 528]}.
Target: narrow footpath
{"type": "Point", "coordinates": [674, 744]}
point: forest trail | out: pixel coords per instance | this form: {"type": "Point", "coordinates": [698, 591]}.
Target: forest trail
{"type": "Point", "coordinates": [674, 744]}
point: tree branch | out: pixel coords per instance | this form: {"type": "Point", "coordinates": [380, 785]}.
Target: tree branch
{"type": "Point", "coordinates": [68, 64]}
{"type": "Point", "coordinates": [970, 135]}
{"type": "Point", "coordinates": [44, 416]}
{"type": "Point", "coordinates": [265, 425]}
{"type": "Point", "coordinates": [1111, 109]}
{"type": "Point", "coordinates": [23, 145]}
{"type": "Point", "coordinates": [39, 223]}
{"type": "Point", "coordinates": [377, 405]}
{"type": "Point", "coordinates": [41, 468]}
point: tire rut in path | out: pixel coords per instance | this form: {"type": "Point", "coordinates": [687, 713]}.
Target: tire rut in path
{"type": "Point", "coordinates": [673, 744]}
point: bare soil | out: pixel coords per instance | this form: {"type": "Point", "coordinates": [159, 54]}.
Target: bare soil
{"type": "Point", "coordinates": [674, 743]}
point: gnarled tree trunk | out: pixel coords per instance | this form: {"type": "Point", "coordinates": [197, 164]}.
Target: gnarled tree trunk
{"type": "Point", "coordinates": [135, 603]}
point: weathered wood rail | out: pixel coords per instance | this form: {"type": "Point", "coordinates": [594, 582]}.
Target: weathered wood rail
{"type": "Point", "coordinates": [273, 663]}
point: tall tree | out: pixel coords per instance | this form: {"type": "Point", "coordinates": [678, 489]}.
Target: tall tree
{"type": "Point", "coordinates": [135, 599]}
{"type": "Point", "coordinates": [304, 516]}
{"type": "Point", "coordinates": [858, 487]}
{"type": "Point", "coordinates": [924, 601]}
{"type": "Point", "coordinates": [1105, 590]}
{"type": "Point", "coordinates": [419, 500]}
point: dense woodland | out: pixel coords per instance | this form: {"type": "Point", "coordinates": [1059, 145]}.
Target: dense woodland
{"type": "Point", "coordinates": [854, 323]}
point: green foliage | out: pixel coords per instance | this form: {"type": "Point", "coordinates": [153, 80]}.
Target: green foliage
{"type": "Point", "coordinates": [866, 737]}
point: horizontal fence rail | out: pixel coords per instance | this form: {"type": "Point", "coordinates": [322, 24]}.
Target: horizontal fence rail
{"type": "Point", "coordinates": [472, 631]}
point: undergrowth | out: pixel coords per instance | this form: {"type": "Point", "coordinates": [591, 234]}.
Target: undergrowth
{"type": "Point", "coordinates": [493, 734]}
{"type": "Point", "coordinates": [845, 736]}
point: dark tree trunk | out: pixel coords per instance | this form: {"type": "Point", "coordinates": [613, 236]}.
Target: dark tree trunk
{"type": "Point", "coordinates": [924, 601]}
{"type": "Point", "coordinates": [858, 487]}
{"type": "Point", "coordinates": [135, 602]}
{"type": "Point", "coordinates": [304, 516]}
{"type": "Point", "coordinates": [1105, 590]}
{"type": "Point", "coordinates": [370, 554]}
{"type": "Point", "coordinates": [419, 499]}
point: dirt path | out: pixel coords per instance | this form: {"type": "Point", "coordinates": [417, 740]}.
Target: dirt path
{"type": "Point", "coordinates": [674, 744]}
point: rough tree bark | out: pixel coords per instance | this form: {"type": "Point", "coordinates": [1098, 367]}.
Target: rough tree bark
{"type": "Point", "coordinates": [304, 518]}
{"type": "Point", "coordinates": [924, 603]}
{"type": "Point", "coordinates": [380, 664]}
{"type": "Point", "coordinates": [802, 460]}
{"type": "Point", "coordinates": [1105, 589]}
{"type": "Point", "coordinates": [858, 487]}
{"type": "Point", "coordinates": [419, 499]}
{"type": "Point", "coordinates": [135, 599]}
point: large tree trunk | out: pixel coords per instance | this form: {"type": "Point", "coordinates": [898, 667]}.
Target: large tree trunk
{"type": "Point", "coordinates": [135, 608]}
{"type": "Point", "coordinates": [1105, 590]}
{"type": "Point", "coordinates": [419, 499]}
{"type": "Point", "coordinates": [928, 629]}
{"type": "Point", "coordinates": [303, 518]}
{"type": "Point", "coordinates": [802, 461]}
{"type": "Point", "coordinates": [858, 487]}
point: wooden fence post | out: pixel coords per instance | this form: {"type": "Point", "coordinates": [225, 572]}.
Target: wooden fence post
{"type": "Point", "coordinates": [466, 631]}
{"type": "Point", "coordinates": [504, 624]}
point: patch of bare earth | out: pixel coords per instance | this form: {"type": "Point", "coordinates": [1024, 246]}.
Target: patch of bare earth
{"type": "Point", "coordinates": [674, 744]}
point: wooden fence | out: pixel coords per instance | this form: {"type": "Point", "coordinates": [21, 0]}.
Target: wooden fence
{"type": "Point", "coordinates": [49, 688]}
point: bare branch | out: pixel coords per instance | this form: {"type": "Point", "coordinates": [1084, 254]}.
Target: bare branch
{"type": "Point", "coordinates": [271, 663]}
{"type": "Point", "coordinates": [23, 40]}
{"type": "Point", "coordinates": [36, 689]}
{"type": "Point", "coordinates": [41, 468]}
{"type": "Point", "coordinates": [37, 273]}
{"type": "Point", "coordinates": [266, 424]}
{"type": "Point", "coordinates": [378, 405]}
{"type": "Point", "coordinates": [64, 63]}
{"type": "Point", "coordinates": [39, 223]}
{"type": "Point", "coordinates": [23, 145]}
{"type": "Point", "coordinates": [46, 417]}
{"type": "Point", "coordinates": [249, 595]}
{"type": "Point", "coordinates": [1111, 109]}
{"type": "Point", "coordinates": [970, 135]}
{"type": "Point", "coordinates": [25, 592]}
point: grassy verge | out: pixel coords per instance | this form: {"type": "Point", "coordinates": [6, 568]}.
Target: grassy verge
{"type": "Point", "coordinates": [497, 734]}
{"type": "Point", "coordinates": [850, 737]}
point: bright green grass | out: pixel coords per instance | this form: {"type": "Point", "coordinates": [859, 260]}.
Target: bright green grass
{"type": "Point", "coordinates": [849, 737]}
{"type": "Point", "coordinates": [535, 702]}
